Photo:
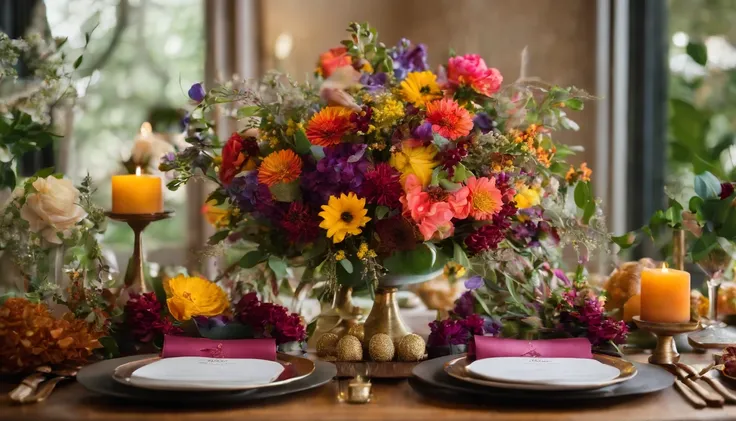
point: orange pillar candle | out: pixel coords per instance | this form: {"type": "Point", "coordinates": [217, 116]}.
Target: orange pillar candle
{"type": "Point", "coordinates": [665, 295]}
{"type": "Point", "coordinates": [136, 194]}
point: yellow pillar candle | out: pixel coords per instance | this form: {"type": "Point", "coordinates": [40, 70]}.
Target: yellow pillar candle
{"type": "Point", "coordinates": [665, 295]}
{"type": "Point", "coordinates": [136, 194]}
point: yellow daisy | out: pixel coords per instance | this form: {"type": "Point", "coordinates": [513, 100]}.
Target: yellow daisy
{"type": "Point", "coordinates": [344, 215]}
{"type": "Point", "coordinates": [420, 88]}
{"type": "Point", "coordinates": [419, 161]}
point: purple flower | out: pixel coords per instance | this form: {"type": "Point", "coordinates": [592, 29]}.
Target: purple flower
{"type": "Point", "coordinates": [560, 274]}
{"type": "Point", "coordinates": [168, 159]}
{"type": "Point", "coordinates": [491, 326]}
{"type": "Point", "coordinates": [374, 82]}
{"type": "Point", "coordinates": [423, 131]}
{"type": "Point", "coordinates": [483, 122]}
{"type": "Point", "coordinates": [197, 93]}
{"type": "Point", "coordinates": [447, 332]}
{"type": "Point", "coordinates": [250, 196]}
{"type": "Point", "coordinates": [211, 322]}
{"type": "Point", "coordinates": [184, 122]}
{"type": "Point", "coordinates": [408, 59]}
{"type": "Point", "coordinates": [465, 305]}
{"type": "Point", "coordinates": [342, 170]}
{"type": "Point", "coordinates": [474, 282]}
{"type": "Point", "coordinates": [473, 324]}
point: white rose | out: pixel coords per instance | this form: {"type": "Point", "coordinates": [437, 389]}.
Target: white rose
{"type": "Point", "coordinates": [54, 208]}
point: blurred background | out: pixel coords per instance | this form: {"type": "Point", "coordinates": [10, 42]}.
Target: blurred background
{"type": "Point", "coordinates": [663, 70]}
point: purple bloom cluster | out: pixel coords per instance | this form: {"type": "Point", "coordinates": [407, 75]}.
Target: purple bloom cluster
{"type": "Point", "coordinates": [250, 196]}
{"type": "Point", "coordinates": [374, 82]}
{"type": "Point", "coordinates": [408, 58]}
{"type": "Point", "coordinates": [590, 317]}
{"type": "Point", "coordinates": [460, 331]}
{"type": "Point", "coordinates": [342, 170]}
{"type": "Point", "coordinates": [483, 122]}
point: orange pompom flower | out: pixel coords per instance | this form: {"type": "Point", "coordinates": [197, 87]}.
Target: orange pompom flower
{"type": "Point", "coordinates": [30, 336]}
{"type": "Point", "coordinates": [327, 127]}
{"type": "Point", "coordinates": [280, 167]}
{"type": "Point", "coordinates": [449, 119]}
{"type": "Point", "coordinates": [333, 59]}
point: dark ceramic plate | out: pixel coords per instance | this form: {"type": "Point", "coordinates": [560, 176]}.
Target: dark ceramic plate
{"type": "Point", "coordinates": [431, 373]}
{"type": "Point", "coordinates": [98, 378]}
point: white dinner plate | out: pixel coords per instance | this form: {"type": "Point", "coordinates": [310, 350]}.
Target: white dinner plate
{"type": "Point", "coordinates": [203, 374]}
{"type": "Point", "coordinates": [458, 368]}
{"type": "Point", "coordinates": [578, 372]}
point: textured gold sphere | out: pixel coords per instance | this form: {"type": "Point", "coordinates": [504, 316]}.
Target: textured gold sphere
{"type": "Point", "coordinates": [349, 349]}
{"type": "Point", "coordinates": [411, 348]}
{"type": "Point", "coordinates": [327, 345]}
{"type": "Point", "coordinates": [381, 348]}
{"type": "Point", "coordinates": [358, 331]}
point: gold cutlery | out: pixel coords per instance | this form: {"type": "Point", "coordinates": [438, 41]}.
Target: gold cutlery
{"type": "Point", "coordinates": [37, 387]}
{"type": "Point", "coordinates": [729, 396]}
{"type": "Point", "coordinates": [711, 399]}
{"type": "Point", "coordinates": [689, 395]}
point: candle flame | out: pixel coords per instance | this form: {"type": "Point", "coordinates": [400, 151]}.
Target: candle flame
{"type": "Point", "coordinates": [146, 129]}
{"type": "Point", "coordinates": [138, 171]}
{"type": "Point", "coordinates": [664, 267]}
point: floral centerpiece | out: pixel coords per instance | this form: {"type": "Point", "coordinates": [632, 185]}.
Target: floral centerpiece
{"type": "Point", "coordinates": [384, 166]}
{"type": "Point", "coordinates": [194, 306]}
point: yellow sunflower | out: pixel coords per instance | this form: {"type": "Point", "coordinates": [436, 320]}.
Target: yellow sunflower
{"type": "Point", "coordinates": [420, 88]}
{"type": "Point", "coordinates": [344, 215]}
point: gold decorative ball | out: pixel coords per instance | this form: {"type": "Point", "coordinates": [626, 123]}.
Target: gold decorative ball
{"type": "Point", "coordinates": [357, 331]}
{"type": "Point", "coordinates": [349, 349]}
{"type": "Point", "coordinates": [411, 348]}
{"type": "Point", "coordinates": [327, 345]}
{"type": "Point", "coordinates": [381, 348]}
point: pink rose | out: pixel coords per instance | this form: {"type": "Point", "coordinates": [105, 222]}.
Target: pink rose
{"type": "Point", "coordinates": [471, 70]}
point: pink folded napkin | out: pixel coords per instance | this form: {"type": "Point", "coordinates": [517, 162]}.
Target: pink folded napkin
{"type": "Point", "coordinates": [489, 347]}
{"type": "Point", "coordinates": [183, 346]}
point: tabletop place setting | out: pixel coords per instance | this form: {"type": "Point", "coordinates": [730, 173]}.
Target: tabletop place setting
{"type": "Point", "coordinates": [389, 240]}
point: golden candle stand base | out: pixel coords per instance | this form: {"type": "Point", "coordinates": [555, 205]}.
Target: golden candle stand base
{"type": "Point", "coordinates": [134, 278]}
{"type": "Point", "coordinates": [666, 351]}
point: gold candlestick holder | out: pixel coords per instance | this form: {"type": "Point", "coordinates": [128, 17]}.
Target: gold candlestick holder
{"type": "Point", "coordinates": [666, 351]}
{"type": "Point", "coordinates": [134, 278]}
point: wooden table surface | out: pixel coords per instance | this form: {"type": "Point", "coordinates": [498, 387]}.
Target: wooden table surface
{"type": "Point", "coordinates": [393, 400]}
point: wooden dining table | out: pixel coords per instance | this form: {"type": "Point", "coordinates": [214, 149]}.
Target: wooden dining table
{"type": "Point", "coordinates": [392, 400]}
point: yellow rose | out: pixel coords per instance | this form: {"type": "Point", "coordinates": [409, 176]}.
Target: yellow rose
{"type": "Point", "coordinates": [527, 197]}
{"type": "Point", "coordinates": [192, 296]}
{"type": "Point", "coordinates": [53, 208]}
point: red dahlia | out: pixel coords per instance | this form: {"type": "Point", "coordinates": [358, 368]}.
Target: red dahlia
{"type": "Point", "coordinates": [382, 187]}
{"type": "Point", "coordinates": [300, 223]}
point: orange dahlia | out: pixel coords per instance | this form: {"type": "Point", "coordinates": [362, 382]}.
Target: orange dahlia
{"type": "Point", "coordinates": [485, 198]}
{"type": "Point", "coordinates": [280, 167]}
{"type": "Point", "coordinates": [327, 127]}
{"type": "Point", "coordinates": [449, 119]}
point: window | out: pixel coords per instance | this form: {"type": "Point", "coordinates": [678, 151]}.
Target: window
{"type": "Point", "coordinates": [141, 58]}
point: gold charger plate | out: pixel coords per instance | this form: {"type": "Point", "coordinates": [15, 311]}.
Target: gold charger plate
{"type": "Point", "coordinates": [295, 368]}
{"type": "Point", "coordinates": [457, 368]}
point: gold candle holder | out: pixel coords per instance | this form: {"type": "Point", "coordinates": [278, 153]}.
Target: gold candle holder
{"type": "Point", "coordinates": [134, 278]}
{"type": "Point", "coordinates": [359, 390]}
{"type": "Point", "coordinates": [666, 351]}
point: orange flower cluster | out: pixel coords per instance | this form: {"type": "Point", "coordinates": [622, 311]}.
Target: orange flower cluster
{"type": "Point", "coordinates": [544, 156]}
{"type": "Point", "coordinates": [528, 136]}
{"type": "Point", "coordinates": [31, 337]}
{"type": "Point", "coordinates": [583, 174]}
